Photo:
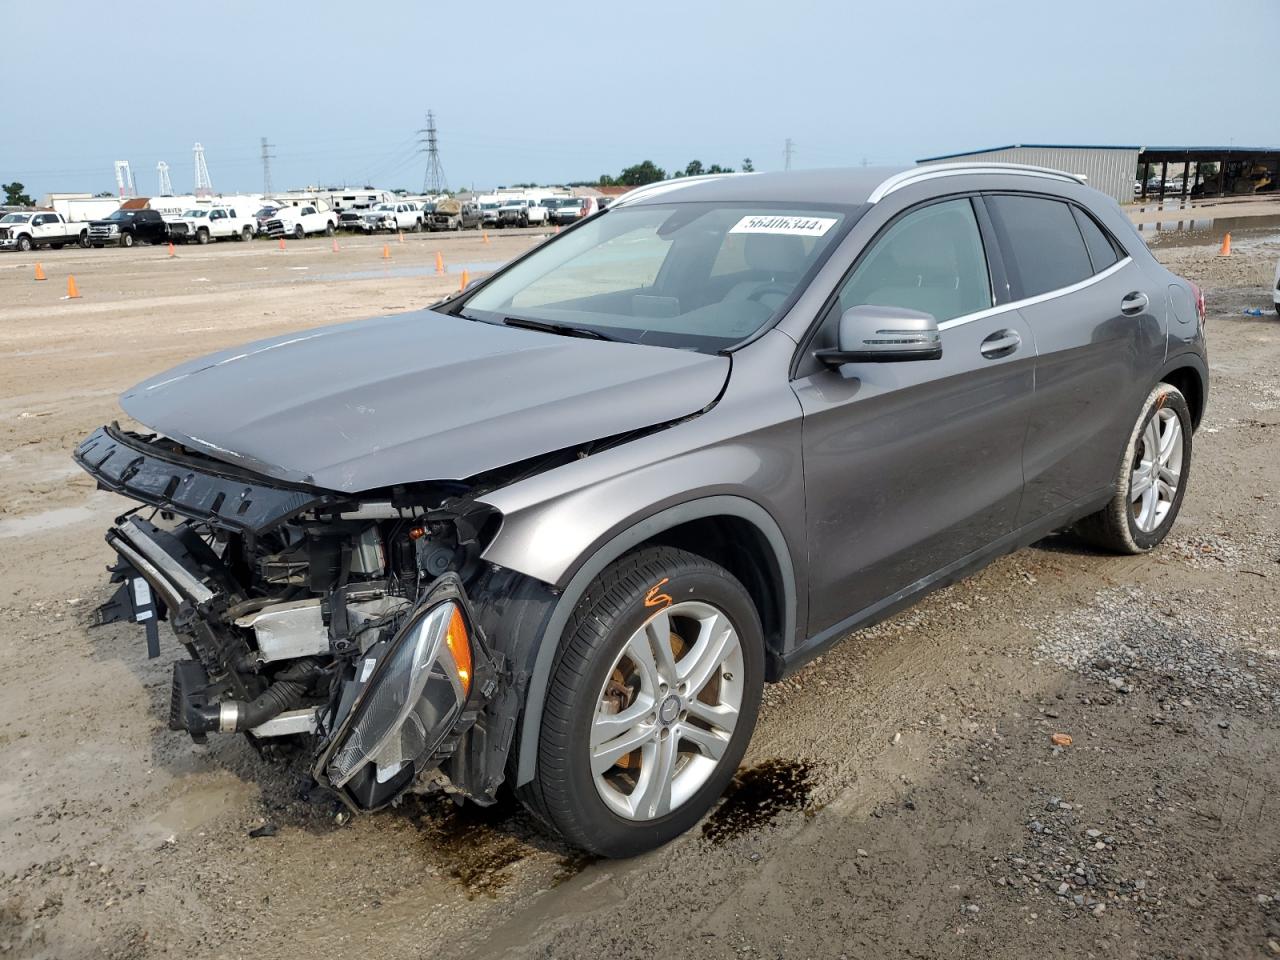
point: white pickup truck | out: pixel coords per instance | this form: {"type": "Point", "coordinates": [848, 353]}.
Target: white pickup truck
{"type": "Point", "coordinates": [211, 223]}
{"type": "Point", "coordinates": [522, 213]}
{"type": "Point", "coordinates": [402, 215]}
{"type": "Point", "coordinates": [297, 222]}
{"type": "Point", "coordinates": [40, 228]}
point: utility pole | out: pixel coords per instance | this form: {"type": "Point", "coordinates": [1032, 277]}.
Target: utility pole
{"type": "Point", "coordinates": [787, 150]}
{"type": "Point", "coordinates": [433, 180]}
{"type": "Point", "coordinates": [166, 188]}
{"type": "Point", "coordinates": [267, 157]}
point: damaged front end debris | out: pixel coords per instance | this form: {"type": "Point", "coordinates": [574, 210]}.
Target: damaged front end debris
{"type": "Point", "coordinates": [337, 624]}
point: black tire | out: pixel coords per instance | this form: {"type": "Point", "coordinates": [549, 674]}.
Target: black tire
{"type": "Point", "coordinates": [24, 243]}
{"type": "Point", "coordinates": [563, 794]}
{"type": "Point", "coordinates": [1278, 309]}
{"type": "Point", "coordinates": [245, 235]}
{"type": "Point", "coordinates": [298, 232]}
{"type": "Point", "coordinates": [202, 236]}
{"type": "Point", "coordinates": [1114, 527]}
{"type": "Point", "coordinates": [126, 239]}
{"type": "Point", "coordinates": [84, 240]}
{"type": "Point", "coordinates": [329, 230]}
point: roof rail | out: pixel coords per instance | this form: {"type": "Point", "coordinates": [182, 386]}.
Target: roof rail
{"type": "Point", "coordinates": [930, 171]}
{"type": "Point", "coordinates": [665, 186]}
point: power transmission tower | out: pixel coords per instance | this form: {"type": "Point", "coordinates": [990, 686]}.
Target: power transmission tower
{"type": "Point", "coordinates": [124, 178]}
{"type": "Point", "coordinates": [166, 188]}
{"type": "Point", "coordinates": [204, 186]}
{"type": "Point", "coordinates": [788, 149]}
{"type": "Point", "coordinates": [433, 180]}
{"type": "Point", "coordinates": [267, 157]}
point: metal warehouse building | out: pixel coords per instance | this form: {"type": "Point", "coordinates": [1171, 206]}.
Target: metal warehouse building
{"type": "Point", "coordinates": [1109, 169]}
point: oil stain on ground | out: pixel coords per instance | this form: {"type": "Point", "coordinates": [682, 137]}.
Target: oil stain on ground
{"type": "Point", "coordinates": [758, 795]}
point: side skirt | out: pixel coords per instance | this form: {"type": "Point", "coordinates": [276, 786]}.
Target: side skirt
{"type": "Point", "coordinates": [779, 667]}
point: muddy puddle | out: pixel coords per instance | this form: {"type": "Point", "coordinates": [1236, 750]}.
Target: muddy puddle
{"type": "Point", "coordinates": [758, 795]}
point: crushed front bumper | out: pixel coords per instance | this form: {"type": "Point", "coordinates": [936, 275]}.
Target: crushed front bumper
{"type": "Point", "coordinates": [385, 685]}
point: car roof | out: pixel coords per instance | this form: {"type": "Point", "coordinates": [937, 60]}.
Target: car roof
{"type": "Point", "coordinates": [857, 185]}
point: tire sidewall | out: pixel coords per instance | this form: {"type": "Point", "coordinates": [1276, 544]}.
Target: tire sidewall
{"type": "Point", "coordinates": [606, 832]}
{"type": "Point", "coordinates": [1163, 396]}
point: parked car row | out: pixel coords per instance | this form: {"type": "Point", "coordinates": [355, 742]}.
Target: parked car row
{"type": "Point", "coordinates": [32, 229]}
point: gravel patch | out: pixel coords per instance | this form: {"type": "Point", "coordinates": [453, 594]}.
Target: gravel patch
{"type": "Point", "coordinates": [1182, 650]}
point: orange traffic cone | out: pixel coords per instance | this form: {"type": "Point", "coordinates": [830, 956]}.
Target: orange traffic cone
{"type": "Point", "coordinates": [439, 262]}
{"type": "Point", "coordinates": [1226, 246]}
{"type": "Point", "coordinates": [401, 236]}
{"type": "Point", "coordinates": [486, 236]}
{"type": "Point", "coordinates": [40, 273]}
{"type": "Point", "coordinates": [72, 292]}
{"type": "Point", "coordinates": [335, 244]}
{"type": "Point", "coordinates": [171, 250]}
{"type": "Point", "coordinates": [557, 229]}
{"type": "Point", "coordinates": [462, 284]}
{"type": "Point", "coordinates": [386, 252]}
{"type": "Point", "coordinates": [282, 243]}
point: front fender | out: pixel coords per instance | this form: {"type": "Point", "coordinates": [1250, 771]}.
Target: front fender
{"type": "Point", "coordinates": [541, 659]}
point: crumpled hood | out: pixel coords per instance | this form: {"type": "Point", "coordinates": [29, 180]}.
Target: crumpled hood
{"type": "Point", "coordinates": [416, 396]}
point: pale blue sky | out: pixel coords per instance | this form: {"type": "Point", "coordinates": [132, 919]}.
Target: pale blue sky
{"type": "Point", "coordinates": [566, 91]}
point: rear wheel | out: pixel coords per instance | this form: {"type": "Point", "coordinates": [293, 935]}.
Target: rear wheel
{"type": "Point", "coordinates": [1152, 479]}
{"type": "Point", "coordinates": [651, 704]}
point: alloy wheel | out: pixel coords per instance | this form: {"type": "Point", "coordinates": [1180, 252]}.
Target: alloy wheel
{"type": "Point", "coordinates": [1157, 470]}
{"type": "Point", "coordinates": [667, 710]}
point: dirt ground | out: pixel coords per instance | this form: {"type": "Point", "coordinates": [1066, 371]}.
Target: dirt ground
{"type": "Point", "coordinates": [902, 799]}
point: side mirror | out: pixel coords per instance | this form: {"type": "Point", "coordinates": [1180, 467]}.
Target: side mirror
{"type": "Point", "coordinates": [871, 334]}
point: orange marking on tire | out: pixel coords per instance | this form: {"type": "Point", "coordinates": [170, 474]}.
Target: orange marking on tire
{"type": "Point", "coordinates": [655, 599]}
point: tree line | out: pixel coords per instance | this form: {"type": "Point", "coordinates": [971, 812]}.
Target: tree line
{"type": "Point", "coordinates": [638, 174]}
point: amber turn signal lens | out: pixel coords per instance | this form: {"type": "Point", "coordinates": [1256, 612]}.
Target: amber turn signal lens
{"type": "Point", "coordinates": [460, 646]}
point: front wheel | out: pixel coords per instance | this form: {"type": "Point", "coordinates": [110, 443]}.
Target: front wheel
{"type": "Point", "coordinates": [298, 232]}
{"type": "Point", "coordinates": [1152, 479]}
{"type": "Point", "coordinates": [329, 230]}
{"type": "Point", "coordinates": [246, 235]}
{"type": "Point", "coordinates": [202, 236]}
{"type": "Point", "coordinates": [126, 239]}
{"type": "Point", "coordinates": [24, 244]}
{"type": "Point", "coordinates": [651, 703]}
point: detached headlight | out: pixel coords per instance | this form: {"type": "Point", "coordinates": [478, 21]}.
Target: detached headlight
{"type": "Point", "coordinates": [415, 692]}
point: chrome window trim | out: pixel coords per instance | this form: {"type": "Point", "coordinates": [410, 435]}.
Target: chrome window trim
{"type": "Point", "coordinates": [938, 170]}
{"type": "Point", "coordinates": [1038, 298]}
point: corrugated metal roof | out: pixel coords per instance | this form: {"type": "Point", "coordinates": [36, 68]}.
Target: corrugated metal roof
{"type": "Point", "coordinates": [1029, 146]}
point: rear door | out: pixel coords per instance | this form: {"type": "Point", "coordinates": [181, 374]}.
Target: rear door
{"type": "Point", "coordinates": [912, 466]}
{"type": "Point", "coordinates": [1089, 307]}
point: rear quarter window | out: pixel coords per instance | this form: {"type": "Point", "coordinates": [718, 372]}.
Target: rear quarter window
{"type": "Point", "coordinates": [1102, 249]}
{"type": "Point", "coordinates": [1042, 242]}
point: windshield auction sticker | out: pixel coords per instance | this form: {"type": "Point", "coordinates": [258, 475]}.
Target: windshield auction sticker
{"type": "Point", "coordinates": [793, 226]}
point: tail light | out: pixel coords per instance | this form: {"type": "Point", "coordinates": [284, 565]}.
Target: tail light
{"type": "Point", "coordinates": [1199, 298]}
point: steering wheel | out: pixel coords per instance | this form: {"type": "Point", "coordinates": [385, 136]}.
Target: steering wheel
{"type": "Point", "coordinates": [782, 288]}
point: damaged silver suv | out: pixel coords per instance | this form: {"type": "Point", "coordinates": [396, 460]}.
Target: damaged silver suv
{"type": "Point", "coordinates": [557, 531]}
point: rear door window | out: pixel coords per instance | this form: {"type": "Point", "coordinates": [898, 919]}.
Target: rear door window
{"type": "Point", "coordinates": [931, 260]}
{"type": "Point", "coordinates": [1043, 247]}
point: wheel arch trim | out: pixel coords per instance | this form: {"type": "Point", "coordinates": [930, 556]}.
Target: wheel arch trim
{"type": "Point", "coordinates": [609, 551]}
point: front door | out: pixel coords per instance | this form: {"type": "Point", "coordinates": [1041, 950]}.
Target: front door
{"type": "Point", "coordinates": [911, 466]}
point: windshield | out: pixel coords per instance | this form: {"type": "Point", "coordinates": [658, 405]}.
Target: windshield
{"type": "Point", "coordinates": [386, 206]}
{"type": "Point", "coordinates": [700, 275]}
{"type": "Point", "coordinates": [490, 206]}
{"type": "Point", "coordinates": [15, 218]}
{"type": "Point", "coordinates": [196, 213]}
{"type": "Point", "coordinates": [121, 215]}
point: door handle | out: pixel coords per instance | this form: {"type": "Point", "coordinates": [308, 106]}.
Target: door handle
{"type": "Point", "coordinates": [1135, 302]}
{"type": "Point", "coordinates": [1000, 344]}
